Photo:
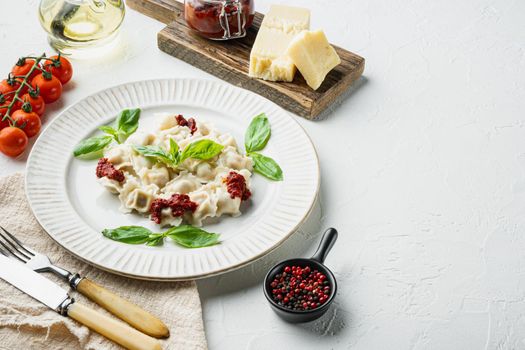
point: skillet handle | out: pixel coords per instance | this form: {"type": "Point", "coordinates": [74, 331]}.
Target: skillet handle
{"type": "Point", "coordinates": [327, 242]}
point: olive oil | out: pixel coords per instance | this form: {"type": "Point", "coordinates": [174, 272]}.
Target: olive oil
{"type": "Point", "coordinates": [75, 25]}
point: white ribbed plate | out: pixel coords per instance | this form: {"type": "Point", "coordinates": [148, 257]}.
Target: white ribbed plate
{"type": "Point", "coordinates": [73, 208]}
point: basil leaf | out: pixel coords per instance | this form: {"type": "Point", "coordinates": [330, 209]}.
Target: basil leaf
{"type": "Point", "coordinates": [174, 151]}
{"type": "Point", "coordinates": [155, 152]}
{"type": "Point", "coordinates": [184, 235]}
{"type": "Point", "coordinates": [110, 131]}
{"type": "Point", "coordinates": [192, 237]}
{"type": "Point", "coordinates": [257, 134]}
{"type": "Point", "coordinates": [92, 144]}
{"type": "Point", "coordinates": [267, 167]}
{"type": "Point", "coordinates": [202, 149]}
{"type": "Point", "coordinates": [128, 121]}
{"type": "Point", "coordinates": [128, 234]}
{"type": "Point", "coordinates": [155, 239]}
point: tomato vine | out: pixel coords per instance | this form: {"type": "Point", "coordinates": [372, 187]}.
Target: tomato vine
{"type": "Point", "coordinates": [23, 82]}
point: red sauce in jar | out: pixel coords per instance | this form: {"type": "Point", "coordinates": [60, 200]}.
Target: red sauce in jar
{"type": "Point", "coordinates": [204, 17]}
{"type": "Point", "coordinates": [178, 203]}
{"type": "Point", "coordinates": [236, 186]}
{"type": "Point", "coordinates": [190, 123]}
{"type": "Point", "coordinates": [105, 168]}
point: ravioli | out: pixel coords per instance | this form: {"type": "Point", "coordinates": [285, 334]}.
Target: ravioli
{"type": "Point", "coordinates": [147, 181]}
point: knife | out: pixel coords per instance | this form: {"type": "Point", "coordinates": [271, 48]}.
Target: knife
{"type": "Point", "coordinates": [56, 298]}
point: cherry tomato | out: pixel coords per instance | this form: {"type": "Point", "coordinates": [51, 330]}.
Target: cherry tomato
{"type": "Point", "coordinates": [3, 123]}
{"type": "Point", "coordinates": [37, 103]}
{"type": "Point", "coordinates": [49, 85]}
{"type": "Point", "coordinates": [63, 69]}
{"type": "Point", "coordinates": [7, 86]}
{"type": "Point", "coordinates": [5, 100]}
{"type": "Point", "coordinates": [13, 141]}
{"type": "Point", "coordinates": [23, 66]}
{"type": "Point", "coordinates": [28, 121]}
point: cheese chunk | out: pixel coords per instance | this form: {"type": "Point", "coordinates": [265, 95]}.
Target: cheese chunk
{"type": "Point", "coordinates": [268, 59]}
{"type": "Point", "coordinates": [287, 19]}
{"type": "Point", "coordinates": [313, 55]}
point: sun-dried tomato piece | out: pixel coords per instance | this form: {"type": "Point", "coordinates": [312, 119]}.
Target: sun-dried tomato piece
{"type": "Point", "coordinates": [178, 203]}
{"type": "Point", "coordinates": [236, 186]}
{"type": "Point", "coordinates": [106, 169]}
{"type": "Point", "coordinates": [181, 120]}
{"type": "Point", "coordinates": [190, 123]}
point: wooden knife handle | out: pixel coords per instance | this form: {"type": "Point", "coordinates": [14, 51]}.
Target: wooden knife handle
{"type": "Point", "coordinates": [123, 309]}
{"type": "Point", "coordinates": [112, 329]}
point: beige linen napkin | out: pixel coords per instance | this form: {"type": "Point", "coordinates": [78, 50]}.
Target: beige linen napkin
{"type": "Point", "coordinates": [27, 324]}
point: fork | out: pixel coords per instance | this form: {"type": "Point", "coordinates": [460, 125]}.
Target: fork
{"type": "Point", "coordinates": [142, 320]}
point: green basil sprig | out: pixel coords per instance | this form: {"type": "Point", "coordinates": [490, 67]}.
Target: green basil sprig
{"type": "Point", "coordinates": [192, 237]}
{"type": "Point", "coordinates": [155, 152]}
{"type": "Point", "coordinates": [110, 131]}
{"type": "Point", "coordinates": [93, 144]}
{"type": "Point", "coordinates": [202, 149]}
{"type": "Point", "coordinates": [126, 124]}
{"type": "Point", "coordinates": [184, 235]}
{"type": "Point", "coordinates": [170, 157]}
{"type": "Point", "coordinates": [255, 139]}
{"type": "Point", "coordinates": [128, 121]}
{"type": "Point", "coordinates": [257, 134]}
{"type": "Point", "coordinates": [266, 166]}
{"type": "Point", "coordinates": [128, 234]}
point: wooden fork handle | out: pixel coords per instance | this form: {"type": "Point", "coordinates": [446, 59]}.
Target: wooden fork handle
{"type": "Point", "coordinates": [112, 329]}
{"type": "Point", "coordinates": [123, 309]}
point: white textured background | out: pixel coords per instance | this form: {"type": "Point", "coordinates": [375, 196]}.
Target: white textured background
{"type": "Point", "coordinates": [423, 172]}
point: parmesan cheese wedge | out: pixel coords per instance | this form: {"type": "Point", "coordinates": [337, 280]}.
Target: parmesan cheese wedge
{"type": "Point", "coordinates": [313, 55]}
{"type": "Point", "coordinates": [268, 59]}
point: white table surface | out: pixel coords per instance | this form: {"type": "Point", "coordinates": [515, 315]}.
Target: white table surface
{"type": "Point", "coordinates": [423, 174]}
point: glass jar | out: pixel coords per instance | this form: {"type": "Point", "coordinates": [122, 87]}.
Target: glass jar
{"type": "Point", "coordinates": [219, 20]}
{"type": "Point", "coordinates": [75, 26]}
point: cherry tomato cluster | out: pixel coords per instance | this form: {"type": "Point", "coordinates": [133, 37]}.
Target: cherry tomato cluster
{"type": "Point", "coordinates": [32, 83]}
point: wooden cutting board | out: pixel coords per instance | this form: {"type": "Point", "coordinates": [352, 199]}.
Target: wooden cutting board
{"type": "Point", "coordinates": [229, 60]}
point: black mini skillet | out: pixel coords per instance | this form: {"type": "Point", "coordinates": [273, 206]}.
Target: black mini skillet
{"type": "Point", "coordinates": [315, 262]}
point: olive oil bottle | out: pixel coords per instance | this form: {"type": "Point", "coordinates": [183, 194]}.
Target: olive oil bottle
{"type": "Point", "coordinates": [74, 26]}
